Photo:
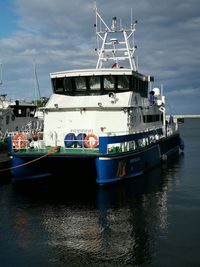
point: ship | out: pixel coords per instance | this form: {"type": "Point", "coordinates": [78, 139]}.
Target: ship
{"type": "Point", "coordinates": [104, 124]}
{"type": "Point", "coordinates": [18, 115]}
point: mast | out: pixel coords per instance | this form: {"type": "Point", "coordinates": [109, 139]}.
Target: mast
{"type": "Point", "coordinates": [36, 84]}
{"type": "Point", "coordinates": [115, 44]}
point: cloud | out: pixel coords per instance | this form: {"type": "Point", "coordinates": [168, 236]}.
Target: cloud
{"type": "Point", "coordinates": [59, 35]}
{"type": "Point", "coordinates": [185, 92]}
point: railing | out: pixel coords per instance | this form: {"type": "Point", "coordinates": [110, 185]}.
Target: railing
{"type": "Point", "coordinates": [171, 129]}
{"type": "Point", "coordinates": [25, 140]}
{"type": "Point", "coordinates": [110, 142]}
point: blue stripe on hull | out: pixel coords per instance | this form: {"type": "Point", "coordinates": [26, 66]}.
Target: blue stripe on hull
{"type": "Point", "coordinates": [113, 169]}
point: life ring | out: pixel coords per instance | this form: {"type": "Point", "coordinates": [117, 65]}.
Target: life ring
{"type": "Point", "coordinates": [19, 141]}
{"type": "Point", "coordinates": [91, 143]}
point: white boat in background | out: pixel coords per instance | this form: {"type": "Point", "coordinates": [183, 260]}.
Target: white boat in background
{"type": "Point", "coordinates": [18, 116]}
{"type": "Point", "coordinates": [104, 124]}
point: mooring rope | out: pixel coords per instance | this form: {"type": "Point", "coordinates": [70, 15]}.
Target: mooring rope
{"type": "Point", "coordinates": [53, 150]}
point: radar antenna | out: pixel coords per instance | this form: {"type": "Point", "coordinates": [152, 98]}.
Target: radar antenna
{"type": "Point", "coordinates": [115, 44]}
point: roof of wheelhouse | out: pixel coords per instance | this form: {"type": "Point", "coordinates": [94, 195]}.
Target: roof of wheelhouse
{"type": "Point", "coordinates": [97, 72]}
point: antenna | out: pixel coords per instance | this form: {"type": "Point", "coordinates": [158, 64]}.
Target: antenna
{"type": "Point", "coordinates": [131, 18]}
{"type": "Point", "coordinates": [36, 83]}
{"type": "Point", "coordinates": [98, 17]}
{"type": "Point", "coordinates": [115, 45]}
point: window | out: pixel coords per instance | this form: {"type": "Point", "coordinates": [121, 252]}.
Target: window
{"type": "Point", "coordinates": [94, 83]}
{"type": "Point", "coordinates": [151, 118]}
{"type": "Point", "coordinates": [109, 83]}
{"type": "Point", "coordinates": [58, 85]}
{"type": "Point", "coordinates": [67, 82]}
{"type": "Point", "coordinates": [123, 83]}
{"type": "Point", "coordinates": [80, 83]}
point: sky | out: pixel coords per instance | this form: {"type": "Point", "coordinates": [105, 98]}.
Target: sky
{"type": "Point", "coordinates": [60, 35]}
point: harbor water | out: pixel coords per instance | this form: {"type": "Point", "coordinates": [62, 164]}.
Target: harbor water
{"type": "Point", "coordinates": [151, 220]}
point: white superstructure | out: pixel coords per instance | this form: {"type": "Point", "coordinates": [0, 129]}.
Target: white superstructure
{"type": "Point", "coordinates": [111, 99]}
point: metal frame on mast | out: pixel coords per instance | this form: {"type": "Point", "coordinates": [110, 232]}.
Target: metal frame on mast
{"type": "Point", "coordinates": [115, 44]}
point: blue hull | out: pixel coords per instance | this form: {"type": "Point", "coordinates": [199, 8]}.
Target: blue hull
{"type": "Point", "coordinates": [67, 168]}
{"type": "Point", "coordinates": [101, 169]}
{"type": "Point", "coordinates": [113, 169]}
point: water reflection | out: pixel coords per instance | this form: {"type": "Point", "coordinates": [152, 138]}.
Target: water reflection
{"type": "Point", "coordinates": [133, 214]}
{"type": "Point", "coordinates": [117, 224]}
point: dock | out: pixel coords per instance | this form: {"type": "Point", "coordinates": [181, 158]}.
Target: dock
{"type": "Point", "coordinates": [185, 116]}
